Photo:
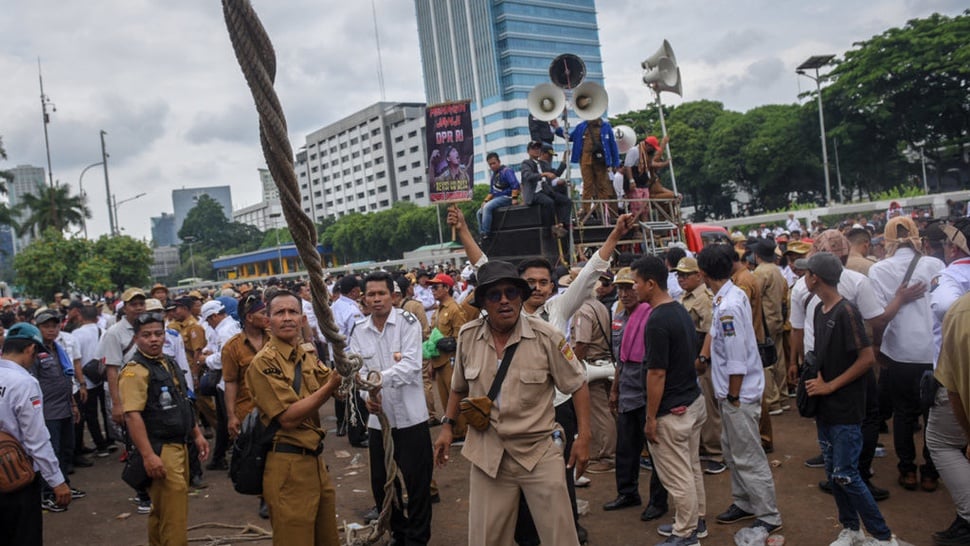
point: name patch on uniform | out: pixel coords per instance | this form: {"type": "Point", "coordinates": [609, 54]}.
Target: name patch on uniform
{"type": "Point", "coordinates": [727, 325]}
{"type": "Point", "coordinates": [566, 349]}
{"type": "Point", "coordinates": [35, 401]}
{"type": "Point", "coordinates": [408, 316]}
{"type": "Point", "coordinates": [273, 371]}
{"type": "Point", "coordinates": [128, 373]}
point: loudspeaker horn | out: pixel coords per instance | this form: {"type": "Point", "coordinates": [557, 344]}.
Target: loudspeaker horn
{"type": "Point", "coordinates": [664, 77]}
{"type": "Point", "coordinates": [546, 101]}
{"type": "Point", "coordinates": [664, 51]}
{"type": "Point", "coordinates": [626, 137]}
{"type": "Point", "coordinates": [590, 100]}
{"type": "Point", "coordinates": [567, 71]}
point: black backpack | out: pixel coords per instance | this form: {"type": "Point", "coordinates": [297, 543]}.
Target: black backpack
{"type": "Point", "coordinates": [251, 447]}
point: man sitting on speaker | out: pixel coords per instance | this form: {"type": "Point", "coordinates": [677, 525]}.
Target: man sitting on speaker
{"type": "Point", "coordinates": [595, 149]}
{"type": "Point", "coordinates": [537, 190]}
{"type": "Point", "coordinates": [502, 192]}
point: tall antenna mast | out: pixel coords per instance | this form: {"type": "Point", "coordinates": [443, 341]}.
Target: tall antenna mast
{"type": "Point", "coordinates": [380, 62]}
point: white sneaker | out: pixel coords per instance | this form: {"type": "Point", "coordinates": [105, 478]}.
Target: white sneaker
{"type": "Point", "coordinates": [848, 537]}
{"type": "Point", "coordinates": [581, 481]}
{"type": "Point", "coordinates": [873, 541]}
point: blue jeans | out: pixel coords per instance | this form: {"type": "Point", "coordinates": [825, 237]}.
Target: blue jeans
{"type": "Point", "coordinates": [485, 213]}
{"type": "Point", "coordinates": [841, 445]}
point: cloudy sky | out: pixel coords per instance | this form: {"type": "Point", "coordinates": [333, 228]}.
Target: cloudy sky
{"type": "Point", "coordinates": [161, 78]}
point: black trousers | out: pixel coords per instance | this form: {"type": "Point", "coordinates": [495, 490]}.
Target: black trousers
{"type": "Point", "coordinates": [91, 409]}
{"type": "Point", "coordinates": [222, 427]}
{"type": "Point", "coordinates": [629, 444]}
{"type": "Point", "coordinates": [356, 434]}
{"type": "Point", "coordinates": [414, 457]}
{"type": "Point", "coordinates": [903, 382]}
{"type": "Point", "coordinates": [556, 206]}
{"type": "Point", "coordinates": [20, 515]}
{"type": "Point", "coordinates": [870, 426]}
{"type": "Point", "coordinates": [525, 527]}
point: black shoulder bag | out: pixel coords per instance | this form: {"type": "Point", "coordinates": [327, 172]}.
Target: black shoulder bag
{"type": "Point", "coordinates": [251, 446]}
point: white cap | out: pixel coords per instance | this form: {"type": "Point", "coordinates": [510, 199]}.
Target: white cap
{"type": "Point", "coordinates": [213, 307]}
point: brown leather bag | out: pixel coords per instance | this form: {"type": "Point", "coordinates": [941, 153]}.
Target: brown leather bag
{"type": "Point", "coordinates": [477, 410]}
{"type": "Point", "coordinates": [16, 468]}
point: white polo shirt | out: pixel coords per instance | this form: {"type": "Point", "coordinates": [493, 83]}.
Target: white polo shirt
{"type": "Point", "coordinates": [734, 347]}
{"type": "Point", "coordinates": [22, 416]}
{"type": "Point", "coordinates": [907, 337]}
{"type": "Point", "coordinates": [953, 283]}
{"type": "Point", "coordinates": [853, 286]}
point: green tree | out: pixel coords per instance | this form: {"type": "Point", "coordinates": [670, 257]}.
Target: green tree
{"type": "Point", "coordinates": [129, 258]}
{"type": "Point", "coordinates": [93, 275]}
{"type": "Point", "coordinates": [47, 265]}
{"type": "Point", "coordinates": [6, 215]}
{"type": "Point", "coordinates": [52, 208]}
{"type": "Point", "coordinates": [205, 222]}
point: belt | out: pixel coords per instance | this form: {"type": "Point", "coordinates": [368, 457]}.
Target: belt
{"type": "Point", "coordinates": [297, 450]}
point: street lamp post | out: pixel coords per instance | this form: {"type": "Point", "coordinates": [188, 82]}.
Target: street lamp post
{"type": "Point", "coordinates": [114, 198]}
{"type": "Point", "coordinates": [190, 239]}
{"type": "Point", "coordinates": [815, 62]}
{"type": "Point", "coordinates": [45, 101]}
{"type": "Point", "coordinates": [80, 189]}
{"type": "Point", "coordinates": [112, 215]}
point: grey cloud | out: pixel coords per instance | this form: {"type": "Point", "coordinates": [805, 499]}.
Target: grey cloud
{"type": "Point", "coordinates": [733, 43]}
{"type": "Point", "coordinates": [235, 124]}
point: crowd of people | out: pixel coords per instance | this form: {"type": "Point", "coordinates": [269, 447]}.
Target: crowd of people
{"type": "Point", "coordinates": [674, 363]}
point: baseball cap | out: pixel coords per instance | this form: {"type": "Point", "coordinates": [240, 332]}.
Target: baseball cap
{"type": "Point", "coordinates": [625, 276]}
{"type": "Point", "coordinates": [153, 304]}
{"type": "Point", "coordinates": [548, 149]}
{"type": "Point", "coordinates": [653, 142]}
{"type": "Point", "coordinates": [44, 314]}
{"type": "Point", "coordinates": [25, 330]}
{"type": "Point", "coordinates": [213, 307]}
{"type": "Point", "coordinates": [831, 240]}
{"type": "Point", "coordinates": [446, 280]}
{"type": "Point", "coordinates": [131, 293]}
{"type": "Point", "coordinates": [824, 264]}
{"type": "Point", "coordinates": [184, 301]}
{"type": "Point", "coordinates": [687, 265]}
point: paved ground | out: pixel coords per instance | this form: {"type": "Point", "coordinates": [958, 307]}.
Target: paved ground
{"type": "Point", "coordinates": [809, 515]}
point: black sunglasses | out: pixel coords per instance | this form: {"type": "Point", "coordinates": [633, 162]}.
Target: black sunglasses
{"type": "Point", "coordinates": [146, 318]}
{"type": "Point", "coordinates": [510, 293]}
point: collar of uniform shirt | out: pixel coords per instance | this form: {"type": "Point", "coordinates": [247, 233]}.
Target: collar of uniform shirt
{"type": "Point", "coordinates": [519, 331]}
{"type": "Point", "coordinates": [286, 350]}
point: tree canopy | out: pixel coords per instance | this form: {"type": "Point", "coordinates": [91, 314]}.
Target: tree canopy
{"type": "Point", "coordinates": [51, 208]}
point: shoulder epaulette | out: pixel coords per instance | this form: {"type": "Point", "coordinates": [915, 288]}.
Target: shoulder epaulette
{"type": "Point", "coordinates": [409, 316]}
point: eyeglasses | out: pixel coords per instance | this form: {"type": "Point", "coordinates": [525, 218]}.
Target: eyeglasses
{"type": "Point", "coordinates": [146, 318]}
{"type": "Point", "coordinates": [510, 293]}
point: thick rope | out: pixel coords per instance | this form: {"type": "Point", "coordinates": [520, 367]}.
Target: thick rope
{"type": "Point", "coordinates": [256, 57]}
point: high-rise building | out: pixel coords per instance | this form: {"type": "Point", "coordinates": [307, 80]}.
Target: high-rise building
{"type": "Point", "coordinates": [163, 230]}
{"type": "Point", "coordinates": [493, 53]}
{"type": "Point", "coordinates": [266, 214]}
{"type": "Point", "coordinates": [184, 200]}
{"type": "Point", "coordinates": [365, 162]}
{"type": "Point", "coordinates": [270, 191]}
{"type": "Point", "coordinates": [27, 179]}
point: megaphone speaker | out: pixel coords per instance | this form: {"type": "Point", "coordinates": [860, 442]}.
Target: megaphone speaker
{"type": "Point", "coordinates": [626, 137]}
{"type": "Point", "coordinates": [590, 100]}
{"type": "Point", "coordinates": [664, 51]}
{"type": "Point", "coordinates": [546, 101]}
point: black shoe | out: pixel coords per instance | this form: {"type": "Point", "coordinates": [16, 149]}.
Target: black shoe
{"type": "Point", "coordinates": [878, 493]}
{"type": "Point", "coordinates": [825, 486]}
{"type": "Point", "coordinates": [196, 482]}
{"type": "Point", "coordinates": [958, 534]}
{"type": "Point", "coordinates": [766, 526]}
{"type": "Point", "coordinates": [263, 508]}
{"type": "Point", "coordinates": [733, 515]}
{"type": "Point", "coordinates": [217, 464]}
{"type": "Point", "coordinates": [82, 462]}
{"type": "Point", "coordinates": [622, 501]}
{"type": "Point", "coordinates": [652, 512]}
{"type": "Point", "coordinates": [363, 444]}
{"type": "Point", "coordinates": [341, 429]}
{"type": "Point", "coordinates": [86, 450]}
{"type": "Point", "coordinates": [581, 534]}
{"type": "Point", "coordinates": [817, 461]}
{"type": "Point", "coordinates": [436, 498]}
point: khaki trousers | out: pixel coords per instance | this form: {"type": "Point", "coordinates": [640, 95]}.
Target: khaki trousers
{"type": "Point", "coordinates": [206, 405]}
{"type": "Point", "coordinates": [442, 379]}
{"type": "Point", "coordinates": [493, 503]}
{"type": "Point", "coordinates": [711, 430]}
{"type": "Point", "coordinates": [168, 520]}
{"type": "Point", "coordinates": [602, 445]}
{"type": "Point", "coordinates": [776, 378]}
{"type": "Point", "coordinates": [302, 500]}
{"type": "Point", "coordinates": [596, 185]}
{"type": "Point", "coordinates": [428, 389]}
{"type": "Point", "coordinates": [676, 456]}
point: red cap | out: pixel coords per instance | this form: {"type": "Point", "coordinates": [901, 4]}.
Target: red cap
{"type": "Point", "coordinates": [442, 278]}
{"type": "Point", "coordinates": [653, 142]}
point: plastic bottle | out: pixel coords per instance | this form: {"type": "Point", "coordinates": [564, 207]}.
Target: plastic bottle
{"type": "Point", "coordinates": [165, 399]}
{"type": "Point", "coordinates": [557, 438]}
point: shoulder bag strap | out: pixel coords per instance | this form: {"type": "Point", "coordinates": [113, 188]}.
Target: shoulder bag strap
{"type": "Point", "coordinates": [911, 268]}
{"type": "Point", "coordinates": [274, 425]}
{"type": "Point", "coordinates": [609, 339]}
{"type": "Point", "coordinates": [503, 368]}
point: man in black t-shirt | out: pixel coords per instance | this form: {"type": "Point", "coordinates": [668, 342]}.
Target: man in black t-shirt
{"type": "Point", "coordinates": [675, 408]}
{"type": "Point", "coordinates": [844, 354]}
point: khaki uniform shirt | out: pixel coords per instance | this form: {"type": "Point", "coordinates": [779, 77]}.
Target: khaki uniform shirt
{"type": "Point", "coordinates": [589, 326]}
{"type": "Point", "coordinates": [193, 335]}
{"type": "Point", "coordinates": [270, 380]}
{"type": "Point", "coordinates": [774, 296]}
{"type": "Point", "coordinates": [952, 370]}
{"type": "Point", "coordinates": [858, 263]}
{"type": "Point", "coordinates": [448, 318]}
{"type": "Point", "coordinates": [523, 417]}
{"type": "Point", "coordinates": [237, 354]}
{"type": "Point", "coordinates": [699, 303]}
{"type": "Point", "coordinates": [416, 308]}
{"type": "Point", "coordinates": [751, 286]}
{"type": "Point", "coordinates": [133, 383]}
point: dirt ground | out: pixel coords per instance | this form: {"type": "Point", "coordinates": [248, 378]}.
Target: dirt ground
{"type": "Point", "coordinates": [107, 517]}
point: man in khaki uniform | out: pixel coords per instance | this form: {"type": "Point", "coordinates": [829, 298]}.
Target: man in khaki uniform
{"type": "Point", "coordinates": [193, 337]}
{"type": "Point", "coordinates": [588, 335]}
{"type": "Point", "coordinates": [304, 511]}
{"type": "Point", "coordinates": [520, 452]}
{"type": "Point", "coordinates": [698, 300]}
{"type": "Point", "coordinates": [161, 421]}
{"type": "Point", "coordinates": [774, 298]}
{"type": "Point", "coordinates": [448, 318]}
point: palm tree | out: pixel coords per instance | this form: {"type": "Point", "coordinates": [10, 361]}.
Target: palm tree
{"type": "Point", "coordinates": [6, 215]}
{"type": "Point", "coordinates": [52, 207]}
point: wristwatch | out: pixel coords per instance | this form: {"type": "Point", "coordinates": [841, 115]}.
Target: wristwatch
{"type": "Point", "coordinates": [448, 421]}
{"type": "Point", "coordinates": [704, 360]}
{"type": "Point", "coordinates": [732, 399]}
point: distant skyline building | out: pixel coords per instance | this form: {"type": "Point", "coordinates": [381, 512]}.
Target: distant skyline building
{"type": "Point", "coordinates": [184, 200]}
{"type": "Point", "coordinates": [493, 53]}
{"type": "Point", "coordinates": [268, 213]}
{"type": "Point", "coordinates": [365, 162]}
{"type": "Point", "coordinates": [163, 230]}
{"type": "Point", "coordinates": [27, 179]}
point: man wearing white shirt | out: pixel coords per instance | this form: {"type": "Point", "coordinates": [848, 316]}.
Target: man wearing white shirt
{"type": "Point", "coordinates": [792, 224]}
{"type": "Point", "coordinates": [739, 382]}
{"type": "Point", "coordinates": [423, 292]}
{"type": "Point", "coordinates": [954, 281]}
{"type": "Point", "coordinates": [87, 336]}
{"type": "Point", "coordinates": [346, 313]}
{"type": "Point", "coordinates": [389, 340]}
{"type": "Point", "coordinates": [223, 327]}
{"type": "Point", "coordinates": [904, 360]}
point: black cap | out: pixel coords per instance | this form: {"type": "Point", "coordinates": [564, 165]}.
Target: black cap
{"type": "Point", "coordinates": [496, 271]}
